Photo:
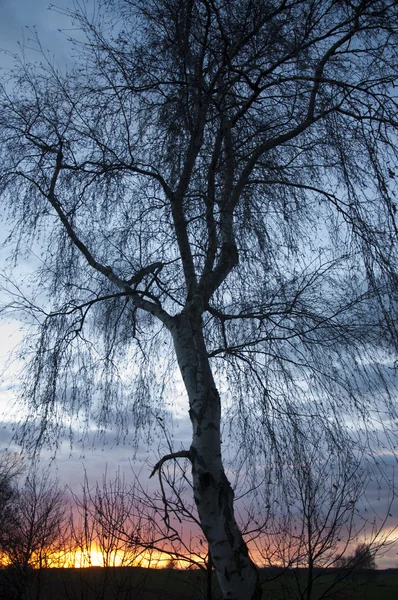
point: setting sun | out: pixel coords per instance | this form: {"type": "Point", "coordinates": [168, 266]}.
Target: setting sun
{"type": "Point", "coordinates": [95, 557]}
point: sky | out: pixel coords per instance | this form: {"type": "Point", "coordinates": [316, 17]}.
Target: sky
{"type": "Point", "coordinates": [18, 19]}
{"type": "Point", "coordinates": [18, 16]}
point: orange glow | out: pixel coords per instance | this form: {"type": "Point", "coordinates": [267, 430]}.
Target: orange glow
{"type": "Point", "coordinates": [95, 557]}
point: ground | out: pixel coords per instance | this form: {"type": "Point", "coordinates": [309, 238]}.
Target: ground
{"type": "Point", "coordinates": [171, 584]}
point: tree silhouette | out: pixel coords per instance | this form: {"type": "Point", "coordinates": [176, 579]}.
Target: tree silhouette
{"type": "Point", "coordinates": [306, 525]}
{"type": "Point", "coordinates": [211, 186]}
{"type": "Point", "coordinates": [10, 469]}
{"type": "Point", "coordinates": [364, 557]}
{"type": "Point", "coordinates": [33, 536]}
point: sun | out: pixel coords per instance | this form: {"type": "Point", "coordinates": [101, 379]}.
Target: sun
{"type": "Point", "coordinates": [95, 557]}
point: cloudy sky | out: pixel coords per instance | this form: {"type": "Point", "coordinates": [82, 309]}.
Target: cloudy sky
{"type": "Point", "coordinates": [18, 19]}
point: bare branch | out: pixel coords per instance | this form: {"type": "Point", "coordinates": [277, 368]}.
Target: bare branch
{"type": "Point", "coordinates": [172, 456]}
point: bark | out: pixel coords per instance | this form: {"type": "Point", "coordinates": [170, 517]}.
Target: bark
{"type": "Point", "coordinates": [237, 574]}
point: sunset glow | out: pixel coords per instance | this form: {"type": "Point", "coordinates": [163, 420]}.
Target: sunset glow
{"type": "Point", "coordinates": [95, 557]}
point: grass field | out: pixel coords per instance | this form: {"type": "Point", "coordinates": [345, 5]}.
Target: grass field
{"type": "Point", "coordinates": [172, 584]}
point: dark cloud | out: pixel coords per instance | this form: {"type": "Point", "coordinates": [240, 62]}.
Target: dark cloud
{"type": "Point", "coordinates": [96, 452]}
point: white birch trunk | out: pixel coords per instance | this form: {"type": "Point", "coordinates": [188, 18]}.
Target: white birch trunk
{"type": "Point", "coordinates": [237, 575]}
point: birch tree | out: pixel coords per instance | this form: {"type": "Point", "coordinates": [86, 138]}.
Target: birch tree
{"type": "Point", "coordinates": [211, 183]}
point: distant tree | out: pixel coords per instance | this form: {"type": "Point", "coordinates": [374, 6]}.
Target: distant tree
{"type": "Point", "coordinates": [10, 469]}
{"type": "Point", "coordinates": [364, 558]}
{"type": "Point", "coordinates": [315, 516]}
{"type": "Point", "coordinates": [361, 564]}
{"type": "Point", "coordinates": [113, 525]}
{"type": "Point", "coordinates": [107, 523]}
{"type": "Point", "coordinates": [127, 525]}
{"type": "Point", "coordinates": [212, 186]}
{"type": "Point", "coordinates": [33, 536]}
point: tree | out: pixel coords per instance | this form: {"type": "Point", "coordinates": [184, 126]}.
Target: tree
{"type": "Point", "coordinates": [105, 511]}
{"type": "Point", "coordinates": [10, 468]}
{"type": "Point", "coordinates": [33, 536]}
{"type": "Point", "coordinates": [363, 559]}
{"type": "Point", "coordinates": [107, 526]}
{"type": "Point", "coordinates": [315, 515]}
{"type": "Point", "coordinates": [213, 184]}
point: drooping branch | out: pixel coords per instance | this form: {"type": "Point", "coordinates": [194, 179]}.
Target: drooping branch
{"type": "Point", "coordinates": [172, 456]}
{"type": "Point", "coordinates": [158, 468]}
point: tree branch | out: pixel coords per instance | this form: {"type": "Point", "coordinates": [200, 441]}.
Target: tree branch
{"type": "Point", "coordinates": [146, 305]}
{"type": "Point", "coordinates": [173, 455]}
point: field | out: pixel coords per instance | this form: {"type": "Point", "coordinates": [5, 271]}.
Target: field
{"type": "Point", "coordinates": [378, 585]}
{"type": "Point", "coordinates": [172, 584]}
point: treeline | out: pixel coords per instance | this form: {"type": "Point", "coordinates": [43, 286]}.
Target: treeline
{"type": "Point", "coordinates": [44, 525]}
{"type": "Point", "coordinates": [117, 523]}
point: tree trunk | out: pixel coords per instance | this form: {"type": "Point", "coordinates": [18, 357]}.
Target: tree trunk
{"type": "Point", "coordinates": [237, 575]}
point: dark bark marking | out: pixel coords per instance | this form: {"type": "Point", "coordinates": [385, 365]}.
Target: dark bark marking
{"type": "Point", "coordinates": [205, 480]}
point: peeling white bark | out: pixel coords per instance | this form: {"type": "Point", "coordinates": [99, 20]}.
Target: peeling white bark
{"type": "Point", "coordinates": [237, 574]}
